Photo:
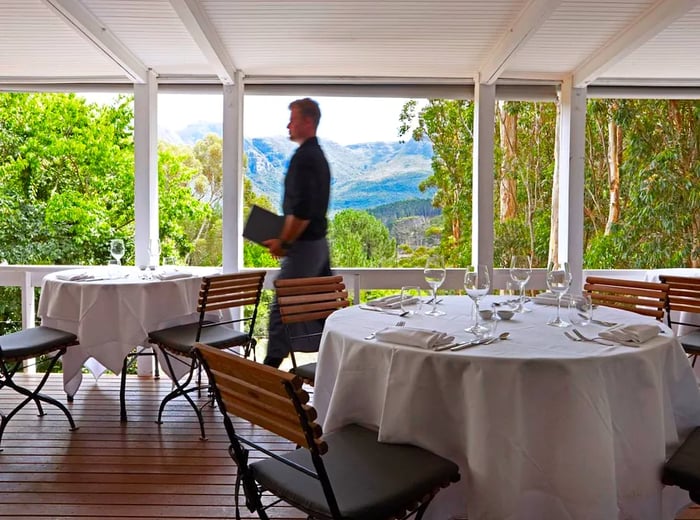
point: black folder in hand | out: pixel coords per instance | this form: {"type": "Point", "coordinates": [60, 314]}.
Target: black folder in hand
{"type": "Point", "coordinates": [262, 225]}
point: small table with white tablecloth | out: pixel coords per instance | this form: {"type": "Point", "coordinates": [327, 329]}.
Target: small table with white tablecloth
{"type": "Point", "coordinates": [111, 315]}
{"type": "Point", "coordinates": [541, 426]}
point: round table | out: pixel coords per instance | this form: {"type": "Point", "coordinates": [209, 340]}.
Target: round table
{"type": "Point", "coordinates": [541, 426]}
{"type": "Point", "coordinates": [112, 313]}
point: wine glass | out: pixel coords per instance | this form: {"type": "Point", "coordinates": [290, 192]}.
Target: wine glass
{"type": "Point", "coordinates": [476, 284]}
{"type": "Point", "coordinates": [520, 271]}
{"type": "Point", "coordinates": [116, 249]}
{"type": "Point", "coordinates": [558, 281]}
{"type": "Point", "coordinates": [434, 274]}
{"type": "Point", "coordinates": [153, 253]}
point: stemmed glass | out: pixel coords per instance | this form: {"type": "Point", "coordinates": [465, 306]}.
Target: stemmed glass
{"type": "Point", "coordinates": [520, 271]}
{"type": "Point", "coordinates": [558, 281]}
{"type": "Point", "coordinates": [116, 249]}
{"type": "Point", "coordinates": [476, 284]}
{"type": "Point", "coordinates": [434, 274]}
{"type": "Point", "coordinates": [153, 253]}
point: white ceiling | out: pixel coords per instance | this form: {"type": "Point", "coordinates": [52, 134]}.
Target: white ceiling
{"type": "Point", "coordinates": [387, 42]}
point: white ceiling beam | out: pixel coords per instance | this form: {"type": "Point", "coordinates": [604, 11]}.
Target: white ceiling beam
{"type": "Point", "coordinates": [94, 31]}
{"type": "Point", "coordinates": [526, 25]}
{"type": "Point", "coordinates": [205, 36]}
{"type": "Point", "coordinates": [662, 14]}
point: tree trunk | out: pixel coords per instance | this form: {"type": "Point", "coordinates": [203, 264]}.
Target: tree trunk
{"type": "Point", "coordinates": [509, 145]}
{"type": "Point", "coordinates": [553, 254]}
{"type": "Point", "coordinates": [614, 160]}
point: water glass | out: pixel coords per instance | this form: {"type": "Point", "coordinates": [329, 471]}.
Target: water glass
{"type": "Point", "coordinates": [487, 326]}
{"type": "Point", "coordinates": [580, 309]}
{"type": "Point", "coordinates": [411, 299]}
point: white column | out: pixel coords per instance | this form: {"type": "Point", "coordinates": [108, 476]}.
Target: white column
{"type": "Point", "coordinates": [145, 165]}
{"type": "Point", "coordinates": [482, 181]}
{"type": "Point", "coordinates": [145, 178]}
{"type": "Point", "coordinates": [572, 137]}
{"type": "Point", "coordinates": [232, 226]}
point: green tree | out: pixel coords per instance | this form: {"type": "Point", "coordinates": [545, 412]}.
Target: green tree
{"type": "Point", "coordinates": [360, 240]}
{"type": "Point", "coordinates": [447, 124]}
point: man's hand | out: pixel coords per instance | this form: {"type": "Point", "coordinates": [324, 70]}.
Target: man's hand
{"type": "Point", "coordinates": [274, 245]}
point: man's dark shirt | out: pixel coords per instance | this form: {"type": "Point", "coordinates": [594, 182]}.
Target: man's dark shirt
{"type": "Point", "coordinates": [307, 188]}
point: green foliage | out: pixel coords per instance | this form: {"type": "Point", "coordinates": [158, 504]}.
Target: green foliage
{"type": "Point", "coordinates": [360, 240]}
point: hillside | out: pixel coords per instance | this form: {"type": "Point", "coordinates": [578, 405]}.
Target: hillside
{"type": "Point", "coordinates": [364, 175]}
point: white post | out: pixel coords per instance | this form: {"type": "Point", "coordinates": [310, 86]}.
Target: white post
{"type": "Point", "coordinates": [482, 176]}
{"type": "Point", "coordinates": [572, 136]}
{"type": "Point", "coordinates": [145, 179]}
{"type": "Point", "coordinates": [233, 173]}
{"type": "Point", "coordinates": [145, 166]}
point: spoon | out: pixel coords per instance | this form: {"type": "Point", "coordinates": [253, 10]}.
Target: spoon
{"type": "Point", "coordinates": [483, 341]}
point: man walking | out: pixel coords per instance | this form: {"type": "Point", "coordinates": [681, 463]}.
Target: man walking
{"type": "Point", "coordinates": [302, 244]}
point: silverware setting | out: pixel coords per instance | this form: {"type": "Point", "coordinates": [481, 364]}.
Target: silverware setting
{"type": "Point", "coordinates": [599, 322]}
{"type": "Point", "coordinates": [581, 337]}
{"type": "Point", "coordinates": [466, 344]}
{"type": "Point", "coordinates": [372, 334]}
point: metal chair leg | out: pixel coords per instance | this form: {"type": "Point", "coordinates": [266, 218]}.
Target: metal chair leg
{"type": "Point", "coordinates": [182, 390]}
{"type": "Point", "coordinates": [30, 395]}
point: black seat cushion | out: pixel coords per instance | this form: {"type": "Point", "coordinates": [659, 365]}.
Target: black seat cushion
{"type": "Point", "coordinates": [691, 342]}
{"type": "Point", "coordinates": [371, 480]}
{"type": "Point", "coordinates": [683, 468]}
{"type": "Point", "coordinates": [307, 371]}
{"type": "Point", "coordinates": [34, 342]}
{"type": "Point", "coordinates": [182, 338]}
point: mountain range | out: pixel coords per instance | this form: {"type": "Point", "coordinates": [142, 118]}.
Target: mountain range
{"type": "Point", "coordinates": [365, 175]}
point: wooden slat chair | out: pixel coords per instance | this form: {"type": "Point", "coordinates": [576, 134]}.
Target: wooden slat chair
{"type": "Point", "coordinates": [321, 476]}
{"type": "Point", "coordinates": [682, 469]}
{"type": "Point", "coordinates": [646, 298]}
{"type": "Point", "coordinates": [304, 303]}
{"type": "Point", "coordinates": [684, 297]}
{"type": "Point", "coordinates": [32, 343]}
{"type": "Point", "coordinates": [222, 292]}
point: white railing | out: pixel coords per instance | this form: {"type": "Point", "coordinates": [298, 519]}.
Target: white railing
{"type": "Point", "coordinates": [29, 277]}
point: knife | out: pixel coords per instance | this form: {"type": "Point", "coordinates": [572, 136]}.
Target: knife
{"type": "Point", "coordinates": [385, 311]}
{"type": "Point", "coordinates": [481, 341]}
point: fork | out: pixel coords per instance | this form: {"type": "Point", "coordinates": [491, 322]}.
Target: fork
{"type": "Point", "coordinates": [372, 334]}
{"type": "Point", "coordinates": [594, 340]}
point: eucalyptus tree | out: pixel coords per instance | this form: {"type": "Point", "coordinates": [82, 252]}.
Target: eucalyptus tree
{"type": "Point", "coordinates": [448, 125]}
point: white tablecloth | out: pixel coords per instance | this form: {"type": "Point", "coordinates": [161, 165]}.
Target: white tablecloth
{"type": "Point", "coordinates": [111, 317]}
{"type": "Point", "coordinates": [542, 427]}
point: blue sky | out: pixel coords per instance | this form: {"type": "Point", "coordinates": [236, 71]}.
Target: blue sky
{"type": "Point", "coordinates": [343, 120]}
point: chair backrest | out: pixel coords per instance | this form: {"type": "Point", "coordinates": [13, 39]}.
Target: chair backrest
{"type": "Point", "coordinates": [262, 395]}
{"type": "Point", "coordinates": [646, 298]}
{"type": "Point", "coordinates": [683, 297]}
{"type": "Point", "coordinates": [228, 291]}
{"type": "Point", "coordinates": [309, 299]}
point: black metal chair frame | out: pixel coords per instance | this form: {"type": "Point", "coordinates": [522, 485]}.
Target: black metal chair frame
{"type": "Point", "coordinates": [10, 364]}
{"type": "Point", "coordinates": [276, 401]}
{"type": "Point", "coordinates": [248, 293]}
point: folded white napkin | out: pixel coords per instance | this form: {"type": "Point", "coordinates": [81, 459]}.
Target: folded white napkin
{"type": "Point", "coordinates": [631, 335]}
{"type": "Point", "coordinates": [73, 276]}
{"type": "Point", "coordinates": [548, 298]}
{"type": "Point", "coordinates": [172, 275]}
{"type": "Point", "coordinates": [422, 338]}
{"type": "Point", "coordinates": [387, 302]}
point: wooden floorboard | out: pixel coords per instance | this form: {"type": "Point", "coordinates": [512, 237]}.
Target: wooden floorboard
{"type": "Point", "coordinates": [108, 469]}
{"type": "Point", "coordinates": [136, 470]}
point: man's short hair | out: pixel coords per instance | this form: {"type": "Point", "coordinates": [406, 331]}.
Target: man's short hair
{"type": "Point", "coordinates": [308, 108]}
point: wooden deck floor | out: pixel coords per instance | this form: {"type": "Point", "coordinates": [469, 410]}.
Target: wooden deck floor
{"type": "Point", "coordinates": [134, 471]}
{"type": "Point", "coordinates": [106, 469]}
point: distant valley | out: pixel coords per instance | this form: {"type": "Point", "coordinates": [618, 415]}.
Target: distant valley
{"type": "Point", "coordinates": [365, 175]}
